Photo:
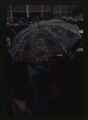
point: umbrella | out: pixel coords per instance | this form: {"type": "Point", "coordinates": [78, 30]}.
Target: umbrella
{"type": "Point", "coordinates": [40, 41]}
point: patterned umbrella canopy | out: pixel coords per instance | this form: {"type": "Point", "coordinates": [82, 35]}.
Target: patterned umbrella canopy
{"type": "Point", "coordinates": [42, 40]}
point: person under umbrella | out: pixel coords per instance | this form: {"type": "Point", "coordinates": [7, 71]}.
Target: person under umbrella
{"type": "Point", "coordinates": [39, 42]}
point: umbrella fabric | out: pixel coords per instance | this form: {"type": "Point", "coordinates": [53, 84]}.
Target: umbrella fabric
{"type": "Point", "coordinates": [42, 40]}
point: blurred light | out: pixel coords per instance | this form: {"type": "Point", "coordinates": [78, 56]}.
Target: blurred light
{"type": "Point", "coordinates": [59, 54]}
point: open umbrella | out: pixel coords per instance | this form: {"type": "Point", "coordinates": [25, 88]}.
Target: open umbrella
{"type": "Point", "coordinates": [42, 40]}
